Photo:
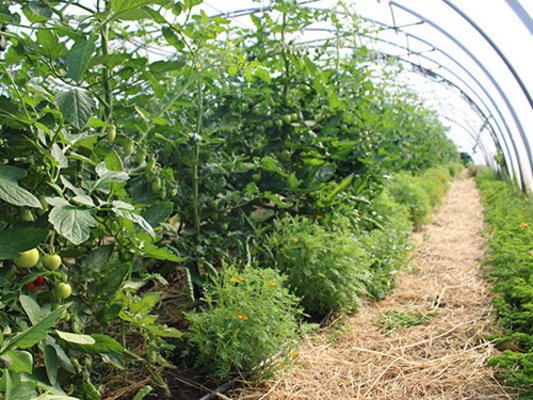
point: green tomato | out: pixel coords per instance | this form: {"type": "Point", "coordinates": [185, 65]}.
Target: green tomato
{"type": "Point", "coordinates": [64, 314]}
{"type": "Point", "coordinates": [294, 117]}
{"type": "Point", "coordinates": [279, 123]}
{"type": "Point", "coordinates": [269, 123]}
{"type": "Point", "coordinates": [150, 175]}
{"type": "Point", "coordinates": [256, 177]}
{"type": "Point", "coordinates": [286, 119]}
{"type": "Point", "coordinates": [51, 261]}
{"type": "Point", "coordinates": [163, 194]}
{"type": "Point", "coordinates": [150, 164]}
{"type": "Point", "coordinates": [27, 216]}
{"type": "Point", "coordinates": [140, 157]}
{"type": "Point", "coordinates": [44, 204]}
{"type": "Point", "coordinates": [129, 146]}
{"type": "Point", "coordinates": [111, 133]}
{"type": "Point", "coordinates": [27, 259]}
{"type": "Point", "coordinates": [156, 185]}
{"type": "Point", "coordinates": [61, 291]}
{"type": "Point", "coordinates": [284, 156]}
{"type": "Point", "coordinates": [224, 226]}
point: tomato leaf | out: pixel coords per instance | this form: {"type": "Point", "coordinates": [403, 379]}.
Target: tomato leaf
{"type": "Point", "coordinates": [18, 361]}
{"type": "Point", "coordinates": [132, 10]}
{"type": "Point", "coordinates": [145, 304]}
{"type": "Point", "coordinates": [78, 58]}
{"type": "Point", "coordinates": [103, 344]}
{"type": "Point", "coordinates": [276, 200]}
{"type": "Point", "coordinates": [120, 209]}
{"type": "Point", "coordinates": [51, 363]}
{"type": "Point", "coordinates": [36, 11]}
{"type": "Point", "coordinates": [161, 253]}
{"type": "Point", "coordinates": [158, 213]}
{"type": "Point", "coordinates": [339, 188]}
{"type": "Point", "coordinates": [16, 240]}
{"type": "Point", "coordinates": [262, 74]}
{"type": "Point", "coordinates": [73, 223]}
{"type": "Point", "coordinates": [11, 192]}
{"type": "Point", "coordinates": [31, 308]}
{"type": "Point", "coordinates": [141, 394]}
{"type": "Point", "coordinates": [272, 165]}
{"type": "Point", "coordinates": [34, 334]}
{"type": "Point", "coordinates": [172, 38]}
{"type": "Point", "coordinates": [49, 44]}
{"type": "Point", "coordinates": [77, 106]}
{"type": "Point", "coordinates": [75, 338]}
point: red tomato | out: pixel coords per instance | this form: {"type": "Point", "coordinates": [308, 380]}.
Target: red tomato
{"type": "Point", "coordinates": [39, 281]}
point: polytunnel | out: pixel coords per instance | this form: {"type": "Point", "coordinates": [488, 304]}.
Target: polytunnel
{"type": "Point", "coordinates": [266, 199]}
{"type": "Point", "coordinates": [476, 50]}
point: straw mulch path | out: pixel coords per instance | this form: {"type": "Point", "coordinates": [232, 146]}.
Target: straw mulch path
{"type": "Point", "coordinates": [445, 358]}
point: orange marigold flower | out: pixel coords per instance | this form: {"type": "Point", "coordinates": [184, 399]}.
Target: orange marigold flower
{"type": "Point", "coordinates": [242, 316]}
{"type": "Point", "coordinates": [523, 225]}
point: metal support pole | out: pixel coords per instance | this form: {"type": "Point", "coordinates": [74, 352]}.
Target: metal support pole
{"type": "Point", "coordinates": [494, 47]}
{"type": "Point", "coordinates": [522, 14]}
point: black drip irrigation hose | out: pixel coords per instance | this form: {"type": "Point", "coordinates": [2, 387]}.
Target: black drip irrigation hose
{"type": "Point", "coordinates": [219, 390]}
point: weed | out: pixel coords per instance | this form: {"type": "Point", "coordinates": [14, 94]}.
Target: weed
{"type": "Point", "coordinates": [395, 319]}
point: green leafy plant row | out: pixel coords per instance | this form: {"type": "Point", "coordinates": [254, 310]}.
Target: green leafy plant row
{"type": "Point", "coordinates": [251, 317]}
{"type": "Point", "coordinates": [509, 214]}
{"type": "Point", "coordinates": [332, 262]}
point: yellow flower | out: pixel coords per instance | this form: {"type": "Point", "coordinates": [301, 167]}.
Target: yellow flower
{"type": "Point", "coordinates": [295, 239]}
{"type": "Point", "coordinates": [234, 279]}
{"type": "Point", "coordinates": [523, 225]}
{"type": "Point", "coordinates": [409, 254]}
{"type": "Point", "coordinates": [271, 283]}
{"type": "Point", "coordinates": [242, 316]}
{"type": "Point", "coordinates": [241, 279]}
{"type": "Point", "coordinates": [294, 354]}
